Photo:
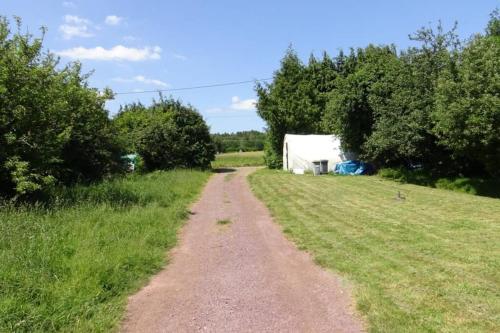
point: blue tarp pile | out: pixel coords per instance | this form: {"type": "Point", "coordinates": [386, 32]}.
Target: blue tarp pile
{"type": "Point", "coordinates": [353, 168]}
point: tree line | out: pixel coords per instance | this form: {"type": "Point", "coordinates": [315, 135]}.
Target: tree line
{"type": "Point", "coordinates": [55, 130]}
{"type": "Point", "coordinates": [434, 106]}
{"type": "Point", "coordinates": [239, 141]}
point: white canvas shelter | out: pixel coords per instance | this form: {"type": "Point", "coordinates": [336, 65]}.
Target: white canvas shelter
{"type": "Point", "coordinates": [300, 151]}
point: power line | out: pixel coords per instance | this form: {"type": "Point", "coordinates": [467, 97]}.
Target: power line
{"type": "Point", "coordinates": [193, 87]}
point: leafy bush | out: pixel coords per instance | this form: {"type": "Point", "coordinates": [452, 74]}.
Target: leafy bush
{"type": "Point", "coordinates": [478, 186]}
{"type": "Point", "coordinates": [462, 184]}
{"type": "Point", "coordinates": [167, 135]}
{"type": "Point", "coordinates": [403, 175]}
{"type": "Point", "coordinates": [53, 127]}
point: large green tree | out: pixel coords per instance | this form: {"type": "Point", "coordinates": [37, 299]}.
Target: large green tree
{"type": "Point", "coordinates": [53, 126]}
{"type": "Point", "coordinates": [467, 114]}
{"type": "Point", "coordinates": [403, 100]}
{"type": "Point", "coordinates": [293, 102]}
{"type": "Point", "coordinates": [166, 134]}
{"type": "Point", "coordinates": [131, 121]}
{"type": "Point", "coordinates": [349, 112]}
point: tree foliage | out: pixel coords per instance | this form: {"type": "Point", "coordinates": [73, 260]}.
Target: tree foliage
{"type": "Point", "coordinates": [467, 114]}
{"type": "Point", "coordinates": [239, 141]}
{"type": "Point", "coordinates": [294, 101]}
{"type": "Point", "coordinates": [404, 100]}
{"type": "Point", "coordinates": [434, 105]}
{"type": "Point", "coordinates": [349, 112]}
{"type": "Point", "coordinates": [53, 126]}
{"type": "Point", "coordinates": [166, 134]}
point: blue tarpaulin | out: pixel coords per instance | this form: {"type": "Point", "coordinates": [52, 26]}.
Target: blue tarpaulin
{"type": "Point", "coordinates": [352, 168]}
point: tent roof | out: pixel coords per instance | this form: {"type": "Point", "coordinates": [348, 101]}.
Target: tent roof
{"type": "Point", "coordinates": [311, 138]}
{"type": "Point", "coordinates": [313, 147]}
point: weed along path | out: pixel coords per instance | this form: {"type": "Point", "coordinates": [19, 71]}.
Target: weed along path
{"type": "Point", "coordinates": [234, 271]}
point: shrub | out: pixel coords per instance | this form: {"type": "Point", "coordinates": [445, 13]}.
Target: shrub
{"type": "Point", "coordinates": [478, 186]}
{"type": "Point", "coordinates": [167, 135]}
{"type": "Point", "coordinates": [54, 128]}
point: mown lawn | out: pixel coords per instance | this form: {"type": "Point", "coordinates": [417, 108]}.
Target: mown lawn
{"type": "Point", "coordinates": [71, 267]}
{"type": "Point", "coordinates": [426, 263]}
{"type": "Point", "coordinates": [252, 158]}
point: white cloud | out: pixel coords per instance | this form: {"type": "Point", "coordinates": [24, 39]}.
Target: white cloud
{"type": "Point", "coordinates": [246, 104]}
{"type": "Point", "coordinates": [116, 53]}
{"type": "Point", "coordinates": [70, 31]}
{"type": "Point", "coordinates": [73, 19]}
{"type": "Point", "coordinates": [75, 26]}
{"type": "Point", "coordinates": [129, 38]}
{"type": "Point", "coordinates": [179, 56]}
{"type": "Point", "coordinates": [113, 20]}
{"type": "Point", "coordinates": [143, 79]}
{"type": "Point", "coordinates": [236, 105]}
{"type": "Point", "coordinates": [69, 4]}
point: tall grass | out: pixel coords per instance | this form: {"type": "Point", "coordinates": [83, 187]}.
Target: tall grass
{"type": "Point", "coordinates": [69, 265]}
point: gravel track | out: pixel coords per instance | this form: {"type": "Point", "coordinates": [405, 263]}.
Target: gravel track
{"type": "Point", "coordinates": [244, 276]}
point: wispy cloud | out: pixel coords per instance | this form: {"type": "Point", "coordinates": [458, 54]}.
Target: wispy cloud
{"type": "Point", "coordinates": [69, 4]}
{"type": "Point", "coordinates": [113, 20]}
{"type": "Point", "coordinates": [179, 56]}
{"type": "Point", "coordinates": [75, 26]}
{"type": "Point", "coordinates": [245, 104]}
{"type": "Point", "coordinates": [116, 53]}
{"type": "Point", "coordinates": [129, 38]}
{"type": "Point", "coordinates": [143, 79]}
{"type": "Point", "coordinates": [237, 104]}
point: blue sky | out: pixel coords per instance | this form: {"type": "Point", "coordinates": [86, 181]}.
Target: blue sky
{"type": "Point", "coordinates": [149, 45]}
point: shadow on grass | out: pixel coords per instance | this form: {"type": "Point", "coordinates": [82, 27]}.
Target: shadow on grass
{"type": "Point", "coordinates": [487, 187]}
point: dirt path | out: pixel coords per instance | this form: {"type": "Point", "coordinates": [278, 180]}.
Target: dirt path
{"type": "Point", "coordinates": [244, 276]}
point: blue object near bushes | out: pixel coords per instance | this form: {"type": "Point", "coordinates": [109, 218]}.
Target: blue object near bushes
{"type": "Point", "coordinates": [353, 168]}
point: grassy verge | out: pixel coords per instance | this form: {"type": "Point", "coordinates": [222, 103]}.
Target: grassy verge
{"type": "Point", "coordinates": [476, 186]}
{"type": "Point", "coordinates": [428, 261]}
{"type": "Point", "coordinates": [253, 158]}
{"type": "Point", "coordinates": [70, 268]}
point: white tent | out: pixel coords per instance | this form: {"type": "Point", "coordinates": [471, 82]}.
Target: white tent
{"type": "Point", "coordinates": [300, 151]}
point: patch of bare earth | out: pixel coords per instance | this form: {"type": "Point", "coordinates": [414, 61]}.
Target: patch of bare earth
{"type": "Point", "coordinates": [249, 278]}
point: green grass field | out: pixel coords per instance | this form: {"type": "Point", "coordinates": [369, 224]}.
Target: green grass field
{"type": "Point", "coordinates": [427, 263]}
{"type": "Point", "coordinates": [252, 158]}
{"type": "Point", "coordinates": [71, 268]}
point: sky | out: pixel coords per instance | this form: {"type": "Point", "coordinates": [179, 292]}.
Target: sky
{"type": "Point", "coordinates": [146, 45]}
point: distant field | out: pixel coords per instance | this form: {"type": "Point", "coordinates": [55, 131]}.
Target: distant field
{"type": "Point", "coordinates": [71, 268]}
{"type": "Point", "coordinates": [254, 158]}
{"type": "Point", "coordinates": [426, 262]}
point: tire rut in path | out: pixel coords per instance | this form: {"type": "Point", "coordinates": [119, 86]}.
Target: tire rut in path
{"type": "Point", "coordinates": [244, 276]}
